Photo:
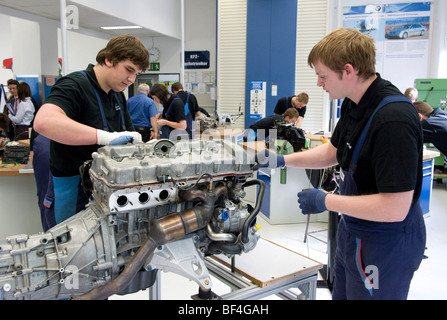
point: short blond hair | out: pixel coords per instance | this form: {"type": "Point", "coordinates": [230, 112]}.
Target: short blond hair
{"type": "Point", "coordinates": [343, 46]}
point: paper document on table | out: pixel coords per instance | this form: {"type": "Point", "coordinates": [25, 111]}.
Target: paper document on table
{"type": "Point", "coordinates": [27, 169]}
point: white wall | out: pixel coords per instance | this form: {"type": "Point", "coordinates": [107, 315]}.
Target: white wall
{"type": "Point", "coordinates": [161, 16]}
{"type": "Point", "coordinates": [82, 49]}
{"type": "Point", "coordinates": [438, 67]}
{"type": "Point", "coordinates": [20, 39]}
{"type": "Point", "coordinates": [49, 55]}
{"type": "Point", "coordinates": [5, 37]}
{"type": "Point", "coordinates": [169, 53]}
{"type": "Point", "coordinates": [200, 27]}
{"type": "Point", "coordinates": [5, 49]}
{"type": "Point", "coordinates": [26, 49]}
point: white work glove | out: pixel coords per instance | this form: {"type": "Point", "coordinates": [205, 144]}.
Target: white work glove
{"type": "Point", "coordinates": [105, 138]}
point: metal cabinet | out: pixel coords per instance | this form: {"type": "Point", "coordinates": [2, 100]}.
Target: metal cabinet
{"type": "Point", "coordinates": [427, 184]}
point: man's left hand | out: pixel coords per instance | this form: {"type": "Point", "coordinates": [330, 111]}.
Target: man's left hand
{"type": "Point", "coordinates": [312, 201]}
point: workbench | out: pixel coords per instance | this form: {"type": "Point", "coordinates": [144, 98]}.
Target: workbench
{"type": "Point", "coordinates": [428, 164]}
{"type": "Point", "coordinates": [15, 169]}
{"type": "Point", "coordinates": [269, 269]}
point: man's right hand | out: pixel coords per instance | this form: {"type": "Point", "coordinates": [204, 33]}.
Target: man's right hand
{"type": "Point", "coordinates": [265, 159]}
{"type": "Point", "coordinates": [105, 138]}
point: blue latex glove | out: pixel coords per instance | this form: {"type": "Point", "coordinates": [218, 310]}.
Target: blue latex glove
{"type": "Point", "coordinates": [265, 158]}
{"type": "Point", "coordinates": [121, 140]}
{"type": "Point", "coordinates": [312, 201]}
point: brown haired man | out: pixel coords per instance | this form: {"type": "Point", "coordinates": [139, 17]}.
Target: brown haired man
{"type": "Point", "coordinates": [85, 110]}
{"type": "Point", "coordinates": [434, 125]}
{"type": "Point", "coordinates": [266, 124]}
{"type": "Point", "coordinates": [299, 102]}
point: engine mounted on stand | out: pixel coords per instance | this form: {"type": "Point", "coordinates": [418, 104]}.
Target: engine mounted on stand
{"type": "Point", "coordinates": [161, 205]}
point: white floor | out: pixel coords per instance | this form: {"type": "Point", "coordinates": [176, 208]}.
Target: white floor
{"type": "Point", "coordinates": [428, 282]}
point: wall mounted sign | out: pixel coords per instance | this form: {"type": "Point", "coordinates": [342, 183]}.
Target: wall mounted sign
{"type": "Point", "coordinates": [258, 93]}
{"type": "Point", "coordinates": [197, 59]}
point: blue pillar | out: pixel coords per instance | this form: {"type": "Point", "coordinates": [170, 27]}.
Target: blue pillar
{"type": "Point", "coordinates": [271, 49]}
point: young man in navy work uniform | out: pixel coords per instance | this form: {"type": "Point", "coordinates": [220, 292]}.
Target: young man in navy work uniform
{"type": "Point", "coordinates": [434, 125]}
{"type": "Point", "coordinates": [187, 97]}
{"type": "Point", "coordinates": [86, 110]}
{"type": "Point", "coordinates": [173, 116]}
{"type": "Point", "coordinates": [298, 102]}
{"type": "Point", "coordinates": [381, 235]}
{"type": "Point", "coordinates": [291, 115]}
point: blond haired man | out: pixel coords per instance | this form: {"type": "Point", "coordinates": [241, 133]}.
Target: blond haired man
{"type": "Point", "coordinates": [378, 144]}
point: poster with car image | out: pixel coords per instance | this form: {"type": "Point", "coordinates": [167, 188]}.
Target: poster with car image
{"type": "Point", "coordinates": [402, 34]}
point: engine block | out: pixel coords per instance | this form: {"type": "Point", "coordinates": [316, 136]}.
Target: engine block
{"type": "Point", "coordinates": [160, 205]}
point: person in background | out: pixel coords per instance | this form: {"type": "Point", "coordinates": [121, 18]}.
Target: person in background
{"type": "Point", "coordinates": [143, 112]}
{"type": "Point", "coordinates": [39, 156]}
{"type": "Point", "coordinates": [298, 102]}
{"type": "Point", "coordinates": [23, 113]}
{"type": "Point", "coordinates": [173, 116]}
{"type": "Point", "coordinates": [12, 88]}
{"type": "Point", "coordinates": [412, 94]}
{"type": "Point", "coordinates": [267, 123]}
{"type": "Point", "coordinates": [12, 100]}
{"type": "Point", "coordinates": [434, 125]}
{"type": "Point", "coordinates": [85, 110]}
{"type": "Point", "coordinates": [190, 104]}
{"type": "Point", "coordinates": [204, 112]}
{"type": "Point", "coordinates": [4, 125]}
{"type": "Point", "coordinates": [193, 105]}
{"type": "Point", "coordinates": [381, 234]}
{"type": "Point", "coordinates": [40, 159]}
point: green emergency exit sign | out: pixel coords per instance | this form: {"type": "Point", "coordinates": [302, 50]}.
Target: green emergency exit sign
{"type": "Point", "coordinates": [154, 66]}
